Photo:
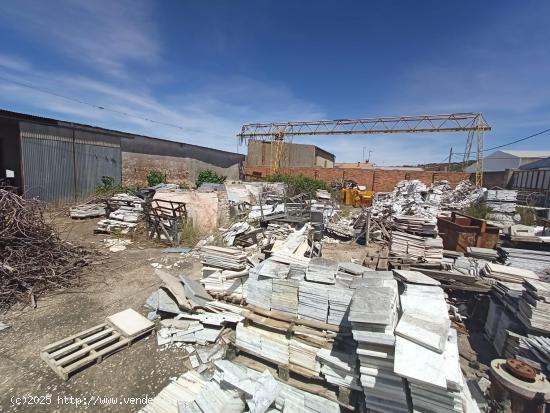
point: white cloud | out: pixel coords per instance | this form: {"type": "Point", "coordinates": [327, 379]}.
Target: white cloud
{"type": "Point", "coordinates": [101, 33]}
{"type": "Point", "coordinates": [208, 116]}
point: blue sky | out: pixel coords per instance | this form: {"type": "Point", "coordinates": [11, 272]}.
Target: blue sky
{"type": "Point", "coordinates": [210, 66]}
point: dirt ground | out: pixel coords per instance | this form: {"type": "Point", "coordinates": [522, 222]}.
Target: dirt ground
{"type": "Point", "coordinates": [124, 280]}
{"type": "Point", "coordinates": [124, 381]}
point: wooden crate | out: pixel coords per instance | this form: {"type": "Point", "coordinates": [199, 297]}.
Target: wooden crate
{"type": "Point", "coordinates": [82, 349]}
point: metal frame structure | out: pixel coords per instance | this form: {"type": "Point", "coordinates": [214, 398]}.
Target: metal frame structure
{"type": "Point", "coordinates": [473, 123]}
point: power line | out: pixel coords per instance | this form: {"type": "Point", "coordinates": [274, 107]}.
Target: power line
{"type": "Point", "coordinates": [83, 102]}
{"type": "Point", "coordinates": [513, 142]}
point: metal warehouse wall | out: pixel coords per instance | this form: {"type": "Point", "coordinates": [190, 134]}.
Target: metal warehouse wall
{"type": "Point", "coordinates": [65, 164]}
{"type": "Point", "coordinates": [10, 149]}
{"type": "Point", "coordinates": [535, 179]}
{"type": "Point", "coordinates": [61, 161]}
{"type": "Point", "coordinates": [161, 147]}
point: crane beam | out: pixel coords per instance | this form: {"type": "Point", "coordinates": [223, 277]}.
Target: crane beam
{"type": "Point", "coordinates": [455, 122]}
{"type": "Point", "coordinates": [471, 122]}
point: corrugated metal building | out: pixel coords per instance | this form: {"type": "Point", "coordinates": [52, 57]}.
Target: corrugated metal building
{"type": "Point", "coordinates": [64, 161]}
{"type": "Point", "coordinates": [294, 155]}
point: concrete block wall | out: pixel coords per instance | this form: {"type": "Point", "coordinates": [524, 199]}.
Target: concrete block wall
{"type": "Point", "coordinates": [136, 166]}
{"type": "Point", "coordinates": [378, 180]}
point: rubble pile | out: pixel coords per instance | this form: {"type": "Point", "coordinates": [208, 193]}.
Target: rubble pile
{"type": "Point", "coordinates": [88, 210]}
{"type": "Point", "coordinates": [502, 204]}
{"type": "Point", "coordinates": [33, 257]}
{"type": "Point", "coordinates": [124, 211]}
{"type": "Point", "coordinates": [463, 195]}
{"type": "Point", "coordinates": [415, 198]}
{"type": "Point", "coordinates": [235, 388]}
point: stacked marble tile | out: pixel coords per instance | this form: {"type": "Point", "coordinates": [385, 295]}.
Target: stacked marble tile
{"type": "Point", "coordinates": [258, 290]}
{"type": "Point", "coordinates": [313, 301]}
{"type": "Point", "coordinates": [339, 368]}
{"type": "Point", "coordinates": [216, 280]}
{"type": "Point", "coordinates": [534, 306]}
{"type": "Point", "coordinates": [262, 393]}
{"type": "Point", "coordinates": [221, 257]}
{"type": "Point", "coordinates": [417, 247]}
{"type": "Point", "coordinates": [263, 343]}
{"type": "Point", "coordinates": [373, 316]}
{"type": "Point", "coordinates": [259, 287]}
{"type": "Point", "coordinates": [416, 224]}
{"type": "Point", "coordinates": [506, 273]}
{"type": "Point", "coordinates": [234, 388]}
{"type": "Point", "coordinates": [284, 296]}
{"type": "Point", "coordinates": [304, 355]}
{"type": "Point", "coordinates": [182, 390]}
{"type": "Point", "coordinates": [426, 351]}
{"type": "Point", "coordinates": [322, 270]}
{"type": "Point", "coordinates": [339, 300]}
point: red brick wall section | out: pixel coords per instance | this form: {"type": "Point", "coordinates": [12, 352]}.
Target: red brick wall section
{"type": "Point", "coordinates": [379, 180]}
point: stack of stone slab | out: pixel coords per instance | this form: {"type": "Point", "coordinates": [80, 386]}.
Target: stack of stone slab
{"type": "Point", "coordinates": [340, 368]}
{"type": "Point", "coordinates": [124, 218]}
{"type": "Point", "coordinates": [284, 296]}
{"type": "Point", "coordinates": [226, 282]}
{"type": "Point", "coordinates": [416, 224]}
{"type": "Point", "coordinates": [87, 211]}
{"type": "Point", "coordinates": [487, 254]}
{"type": "Point", "coordinates": [426, 351]}
{"type": "Point", "coordinates": [322, 270]}
{"type": "Point", "coordinates": [506, 273]}
{"type": "Point", "coordinates": [263, 343]}
{"type": "Point", "coordinates": [277, 286]}
{"type": "Point", "coordinates": [221, 257]}
{"type": "Point", "coordinates": [535, 260]}
{"type": "Point", "coordinates": [373, 316]}
{"type": "Point", "coordinates": [339, 300]}
{"type": "Point", "coordinates": [534, 306]}
{"type": "Point", "coordinates": [508, 294]}
{"type": "Point", "coordinates": [313, 301]}
{"type": "Point", "coordinates": [416, 247]}
{"type": "Point", "coordinates": [304, 355]}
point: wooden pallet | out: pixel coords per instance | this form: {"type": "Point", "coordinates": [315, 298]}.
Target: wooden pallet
{"type": "Point", "coordinates": [87, 347]}
{"type": "Point", "coordinates": [345, 397]}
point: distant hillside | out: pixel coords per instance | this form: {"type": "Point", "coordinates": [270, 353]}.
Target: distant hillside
{"type": "Point", "coordinates": [454, 167]}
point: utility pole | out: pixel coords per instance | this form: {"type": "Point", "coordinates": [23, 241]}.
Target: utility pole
{"type": "Point", "coordinates": [363, 158]}
{"type": "Point", "coordinates": [450, 157]}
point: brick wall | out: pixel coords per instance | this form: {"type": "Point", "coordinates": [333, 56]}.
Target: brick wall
{"type": "Point", "coordinates": [378, 180]}
{"type": "Point", "coordinates": [136, 166]}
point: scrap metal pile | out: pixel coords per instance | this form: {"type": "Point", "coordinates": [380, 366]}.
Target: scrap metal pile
{"type": "Point", "coordinates": [33, 257]}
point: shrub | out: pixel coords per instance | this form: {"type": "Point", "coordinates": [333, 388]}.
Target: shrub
{"type": "Point", "coordinates": [528, 216]}
{"type": "Point", "coordinates": [107, 184]}
{"type": "Point", "coordinates": [298, 184]}
{"type": "Point", "coordinates": [209, 176]}
{"type": "Point", "coordinates": [155, 177]}
{"type": "Point", "coordinates": [479, 211]}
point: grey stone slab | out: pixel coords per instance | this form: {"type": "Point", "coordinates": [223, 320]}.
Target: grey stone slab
{"type": "Point", "coordinates": [428, 331]}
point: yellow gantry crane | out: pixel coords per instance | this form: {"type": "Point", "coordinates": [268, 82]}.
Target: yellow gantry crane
{"type": "Point", "coordinates": [278, 132]}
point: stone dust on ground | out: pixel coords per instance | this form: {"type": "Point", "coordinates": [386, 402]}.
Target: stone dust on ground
{"type": "Point", "coordinates": [123, 280]}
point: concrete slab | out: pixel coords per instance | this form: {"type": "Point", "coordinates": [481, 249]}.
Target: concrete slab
{"type": "Point", "coordinates": [130, 323]}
